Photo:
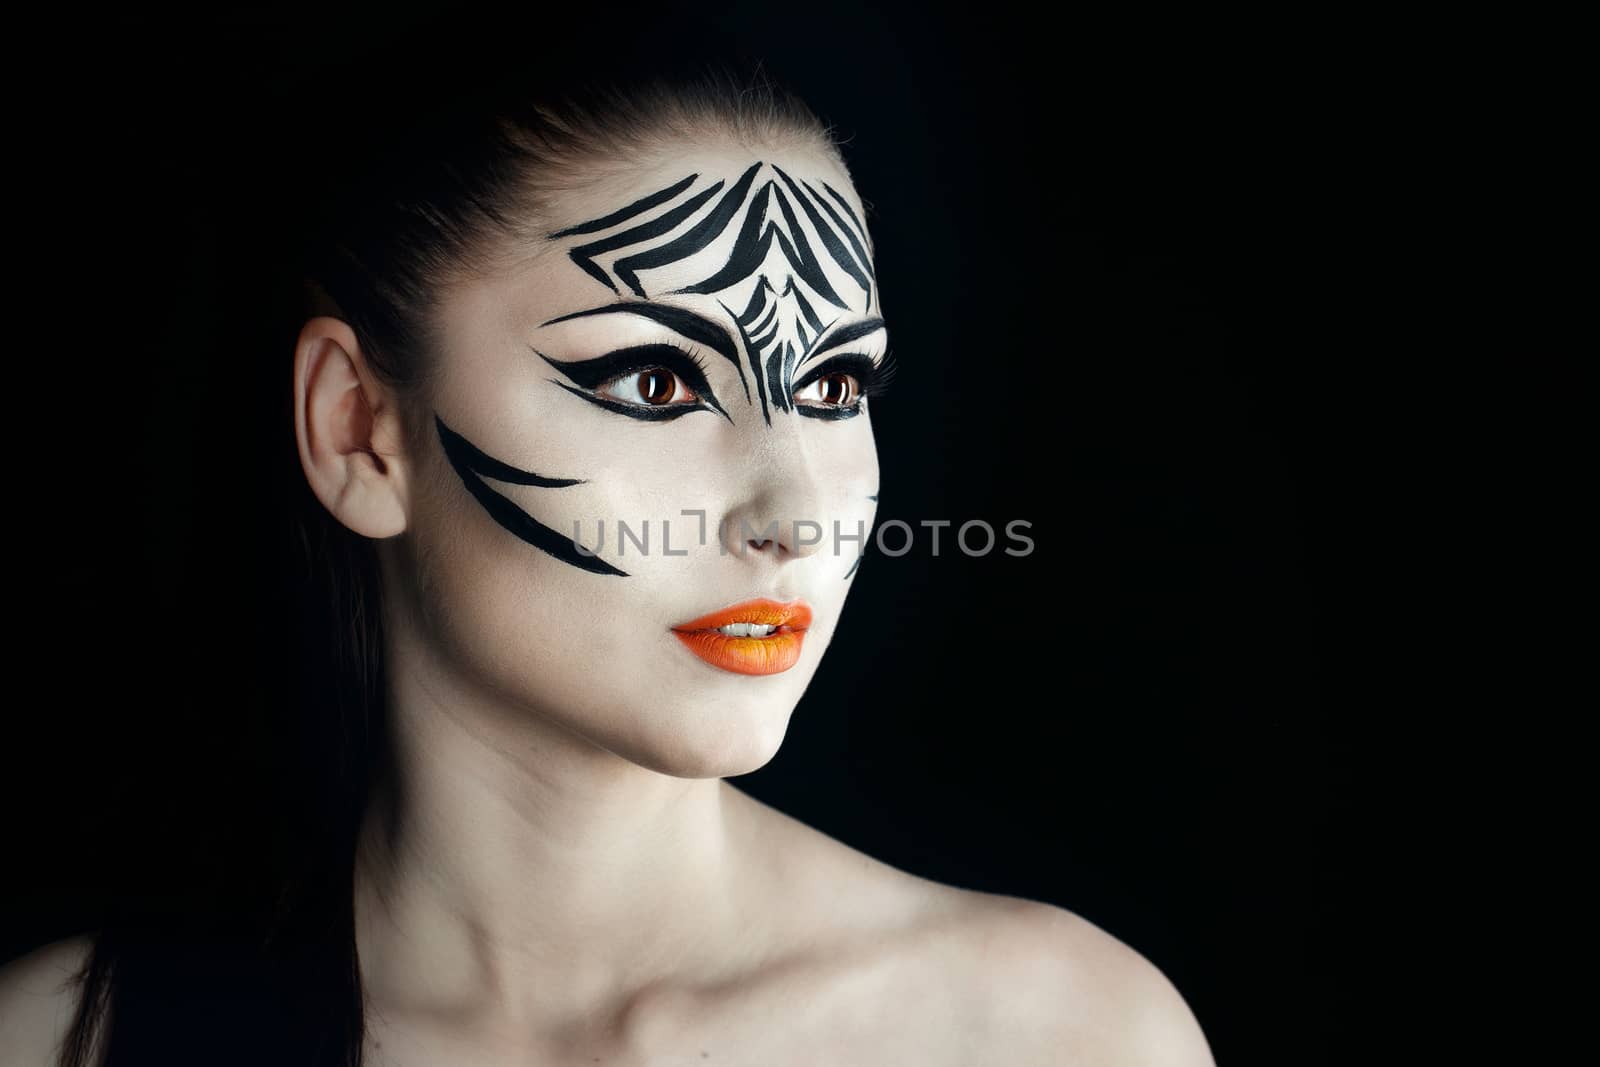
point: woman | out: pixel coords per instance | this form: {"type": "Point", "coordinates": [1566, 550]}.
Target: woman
{"type": "Point", "coordinates": [581, 413]}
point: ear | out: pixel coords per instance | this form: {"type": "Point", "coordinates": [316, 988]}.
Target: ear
{"type": "Point", "coordinates": [350, 431]}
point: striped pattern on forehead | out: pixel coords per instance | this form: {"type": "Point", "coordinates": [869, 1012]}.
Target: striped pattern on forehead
{"type": "Point", "coordinates": [788, 233]}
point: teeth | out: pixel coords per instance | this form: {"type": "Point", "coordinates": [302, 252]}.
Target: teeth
{"type": "Point", "coordinates": [746, 629]}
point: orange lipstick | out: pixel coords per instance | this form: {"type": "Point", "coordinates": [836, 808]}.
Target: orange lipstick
{"type": "Point", "coordinates": [762, 652]}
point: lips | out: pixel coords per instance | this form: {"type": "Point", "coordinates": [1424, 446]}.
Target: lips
{"type": "Point", "coordinates": [778, 651]}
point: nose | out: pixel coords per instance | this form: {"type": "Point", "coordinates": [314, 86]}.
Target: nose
{"type": "Point", "coordinates": [780, 517]}
{"type": "Point", "coordinates": [772, 526]}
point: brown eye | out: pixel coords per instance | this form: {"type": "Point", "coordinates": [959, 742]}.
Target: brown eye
{"type": "Point", "coordinates": [653, 386]}
{"type": "Point", "coordinates": [832, 390]}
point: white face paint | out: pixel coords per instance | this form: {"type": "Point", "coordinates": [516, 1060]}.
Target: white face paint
{"type": "Point", "coordinates": [770, 248]}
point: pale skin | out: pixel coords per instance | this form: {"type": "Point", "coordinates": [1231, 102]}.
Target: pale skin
{"type": "Point", "coordinates": [561, 875]}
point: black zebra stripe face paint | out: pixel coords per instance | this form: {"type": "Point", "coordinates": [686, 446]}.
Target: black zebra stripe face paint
{"type": "Point", "coordinates": [473, 465]}
{"type": "Point", "coordinates": [760, 276]}
{"type": "Point", "coordinates": [857, 562]}
{"type": "Point", "coordinates": [786, 260]}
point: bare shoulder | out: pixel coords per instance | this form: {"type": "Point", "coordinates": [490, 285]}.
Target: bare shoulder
{"type": "Point", "coordinates": [1069, 992]}
{"type": "Point", "coordinates": [999, 978]}
{"type": "Point", "coordinates": [38, 996]}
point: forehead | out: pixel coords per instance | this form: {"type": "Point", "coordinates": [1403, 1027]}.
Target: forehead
{"type": "Point", "coordinates": [766, 243]}
{"type": "Point", "coordinates": [605, 187]}
{"type": "Point", "coordinates": [702, 220]}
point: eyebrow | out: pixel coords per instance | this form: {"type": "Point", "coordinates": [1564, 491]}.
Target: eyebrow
{"type": "Point", "coordinates": [714, 336]}
{"type": "Point", "coordinates": [679, 320]}
{"type": "Point", "coordinates": [843, 335]}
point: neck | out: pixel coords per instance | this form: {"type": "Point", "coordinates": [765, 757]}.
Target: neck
{"type": "Point", "coordinates": [507, 865]}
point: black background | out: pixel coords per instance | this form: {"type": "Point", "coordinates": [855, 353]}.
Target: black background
{"type": "Point", "coordinates": [1108, 261]}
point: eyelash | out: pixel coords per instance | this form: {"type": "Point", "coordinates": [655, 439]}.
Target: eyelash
{"type": "Point", "coordinates": [872, 379]}
{"type": "Point", "coordinates": [690, 352]}
{"type": "Point", "coordinates": [686, 364]}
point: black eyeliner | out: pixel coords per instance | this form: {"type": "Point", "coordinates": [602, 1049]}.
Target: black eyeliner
{"type": "Point", "coordinates": [590, 374]}
{"type": "Point", "coordinates": [872, 377]}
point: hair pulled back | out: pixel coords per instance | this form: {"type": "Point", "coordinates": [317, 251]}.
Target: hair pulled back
{"type": "Point", "coordinates": [395, 172]}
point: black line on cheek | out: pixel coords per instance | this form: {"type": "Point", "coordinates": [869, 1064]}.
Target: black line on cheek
{"type": "Point", "coordinates": [862, 554]}
{"type": "Point", "coordinates": [638, 207]}
{"type": "Point", "coordinates": [463, 457]}
{"type": "Point", "coordinates": [464, 453]}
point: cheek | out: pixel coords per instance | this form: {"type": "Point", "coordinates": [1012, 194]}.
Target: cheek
{"type": "Point", "coordinates": [849, 457]}
{"type": "Point", "coordinates": [497, 608]}
{"type": "Point", "coordinates": [595, 652]}
{"type": "Point", "coordinates": [535, 636]}
{"type": "Point", "coordinates": [532, 637]}
{"type": "Point", "coordinates": [843, 462]}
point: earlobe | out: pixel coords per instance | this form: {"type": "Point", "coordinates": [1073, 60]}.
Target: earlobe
{"type": "Point", "coordinates": [348, 429]}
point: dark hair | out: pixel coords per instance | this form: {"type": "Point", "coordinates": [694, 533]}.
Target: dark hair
{"type": "Point", "coordinates": [406, 172]}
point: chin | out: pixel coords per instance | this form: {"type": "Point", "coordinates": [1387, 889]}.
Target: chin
{"type": "Point", "coordinates": [709, 739]}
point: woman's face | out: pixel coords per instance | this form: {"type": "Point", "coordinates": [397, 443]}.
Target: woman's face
{"type": "Point", "coordinates": [653, 417]}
